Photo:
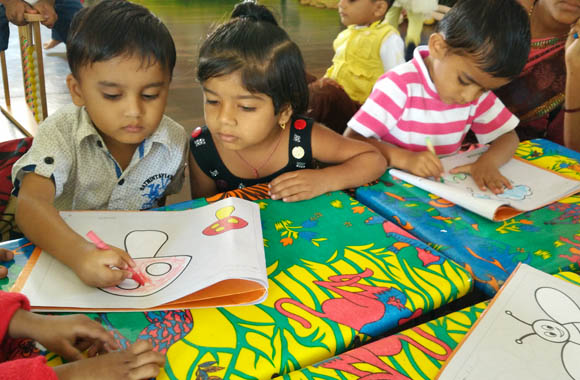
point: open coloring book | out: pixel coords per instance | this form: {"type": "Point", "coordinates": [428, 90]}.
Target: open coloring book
{"type": "Point", "coordinates": [530, 330]}
{"type": "Point", "coordinates": [533, 187]}
{"type": "Point", "coordinates": [210, 256]}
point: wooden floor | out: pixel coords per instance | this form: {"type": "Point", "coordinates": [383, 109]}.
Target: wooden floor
{"type": "Point", "coordinates": [313, 29]}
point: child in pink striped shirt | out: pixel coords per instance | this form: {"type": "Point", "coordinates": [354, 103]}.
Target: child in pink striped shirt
{"type": "Point", "coordinates": [447, 89]}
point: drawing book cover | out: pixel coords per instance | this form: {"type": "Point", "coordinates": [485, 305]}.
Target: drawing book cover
{"type": "Point", "coordinates": [532, 187]}
{"type": "Point", "coordinates": [209, 256]}
{"type": "Point", "coordinates": [531, 330]}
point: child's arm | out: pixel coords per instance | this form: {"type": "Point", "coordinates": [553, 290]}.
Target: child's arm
{"type": "Point", "coordinates": [423, 164]}
{"type": "Point", "coordinates": [485, 171]}
{"type": "Point", "coordinates": [139, 361]}
{"type": "Point", "coordinates": [572, 118]}
{"type": "Point", "coordinates": [66, 335]}
{"type": "Point", "coordinates": [357, 164]}
{"type": "Point", "coordinates": [201, 185]}
{"type": "Point", "coordinates": [40, 222]}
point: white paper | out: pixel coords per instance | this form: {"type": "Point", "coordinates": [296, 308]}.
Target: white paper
{"type": "Point", "coordinates": [533, 187]}
{"type": "Point", "coordinates": [531, 331]}
{"type": "Point", "coordinates": [170, 249]}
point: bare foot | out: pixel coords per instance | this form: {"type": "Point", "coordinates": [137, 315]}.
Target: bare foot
{"type": "Point", "coordinates": [138, 362]}
{"type": "Point", "coordinates": [50, 44]}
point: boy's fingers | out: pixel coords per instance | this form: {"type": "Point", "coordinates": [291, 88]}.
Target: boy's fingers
{"type": "Point", "coordinates": [6, 254]}
{"type": "Point", "coordinates": [149, 357]}
{"type": "Point", "coordinates": [96, 331]}
{"type": "Point", "coordinates": [69, 352]}
{"type": "Point", "coordinates": [145, 372]}
{"type": "Point", "coordinates": [140, 346]}
{"type": "Point", "coordinates": [114, 259]}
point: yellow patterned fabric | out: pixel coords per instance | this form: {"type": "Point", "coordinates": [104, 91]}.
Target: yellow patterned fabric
{"type": "Point", "coordinates": [338, 273]}
{"type": "Point", "coordinates": [357, 64]}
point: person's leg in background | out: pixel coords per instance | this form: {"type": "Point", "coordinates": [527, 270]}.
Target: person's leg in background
{"type": "Point", "coordinates": [65, 9]}
{"type": "Point", "coordinates": [4, 29]}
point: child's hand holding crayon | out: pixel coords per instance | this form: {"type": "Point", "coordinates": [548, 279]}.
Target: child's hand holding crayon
{"type": "Point", "coordinates": [103, 268]}
{"type": "Point", "coordinates": [423, 164]}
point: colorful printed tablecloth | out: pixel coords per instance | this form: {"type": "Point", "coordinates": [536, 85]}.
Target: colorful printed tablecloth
{"type": "Point", "coordinates": [338, 275]}
{"type": "Point", "coordinates": [414, 354]}
{"type": "Point", "coordinates": [547, 239]}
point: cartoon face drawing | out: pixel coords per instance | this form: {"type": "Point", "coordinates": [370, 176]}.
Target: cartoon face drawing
{"type": "Point", "coordinates": [550, 330]}
{"type": "Point", "coordinates": [563, 327]}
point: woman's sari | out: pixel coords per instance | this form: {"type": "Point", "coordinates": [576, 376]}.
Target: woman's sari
{"type": "Point", "coordinates": [537, 94]}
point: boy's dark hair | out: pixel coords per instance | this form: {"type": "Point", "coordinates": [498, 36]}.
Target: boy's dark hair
{"type": "Point", "coordinates": [494, 32]}
{"type": "Point", "coordinates": [113, 28]}
{"type": "Point", "coordinates": [268, 60]}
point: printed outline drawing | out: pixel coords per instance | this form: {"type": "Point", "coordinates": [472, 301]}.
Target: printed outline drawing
{"type": "Point", "coordinates": [225, 222]}
{"type": "Point", "coordinates": [562, 327]}
{"type": "Point", "coordinates": [115, 290]}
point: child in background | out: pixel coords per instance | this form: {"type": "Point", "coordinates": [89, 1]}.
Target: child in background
{"type": "Point", "coordinates": [255, 90]}
{"type": "Point", "coordinates": [113, 149]}
{"type": "Point", "coordinates": [369, 47]}
{"type": "Point", "coordinates": [68, 336]}
{"type": "Point", "coordinates": [447, 90]}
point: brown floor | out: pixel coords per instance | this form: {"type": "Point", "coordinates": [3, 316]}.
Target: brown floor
{"type": "Point", "coordinates": [313, 29]}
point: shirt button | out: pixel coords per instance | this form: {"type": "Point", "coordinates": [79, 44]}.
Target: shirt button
{"type": "Point", "coordinates": [48, 160]}
{"type": "Point", "coordinates": [122, 181]}
{"type": "Point", "coordinates": [99, 144]}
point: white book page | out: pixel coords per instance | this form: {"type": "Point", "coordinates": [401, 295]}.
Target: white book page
{"type": "Point", "coordinates": [178, 252]}
{"type": "Point", "coordinates": [531, 332]}
{"type": "Point", "coordinates": [532, 187]}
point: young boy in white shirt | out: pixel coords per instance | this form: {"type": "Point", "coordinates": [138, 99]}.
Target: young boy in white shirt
{"type": "Point", "coordinates": [113, 149]}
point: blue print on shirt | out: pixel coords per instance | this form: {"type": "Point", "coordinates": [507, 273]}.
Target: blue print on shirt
{"type": "Point", "coordinates": [153, 189]}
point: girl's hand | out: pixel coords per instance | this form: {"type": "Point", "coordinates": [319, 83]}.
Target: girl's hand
{"type": "Point", "coordinates": [422, 164]}
{"type": "Point", "coordinates": [5, 255]}
{"type": "Point", "coordinates": [298, 185]}
{"type": "Point", "coordinates": [573, 49]}
{"type": "Point", "coordinates": [485, 175]}
{"type": "Point", "coordinates": [103, 268]}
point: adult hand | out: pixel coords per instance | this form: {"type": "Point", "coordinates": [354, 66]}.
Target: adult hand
{"type": "Point", "coordinates": [15, 10]}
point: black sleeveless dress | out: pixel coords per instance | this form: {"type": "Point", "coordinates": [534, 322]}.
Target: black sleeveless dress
{"type": "Point", "coordinates": [207, 157]}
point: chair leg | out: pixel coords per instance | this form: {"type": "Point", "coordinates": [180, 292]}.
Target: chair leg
{"type": "Point", "coordinates": [5, 78]}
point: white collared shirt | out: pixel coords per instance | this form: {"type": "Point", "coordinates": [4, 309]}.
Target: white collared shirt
{"type": "Point", "coordinates": [69, 150]}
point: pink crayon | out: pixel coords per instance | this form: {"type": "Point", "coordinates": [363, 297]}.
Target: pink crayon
{"type": "Point", "coordinates": [103, 246]}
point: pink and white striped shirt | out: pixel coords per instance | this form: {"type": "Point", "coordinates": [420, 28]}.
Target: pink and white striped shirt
{"type": "Point", "coordinates": [404, 109]}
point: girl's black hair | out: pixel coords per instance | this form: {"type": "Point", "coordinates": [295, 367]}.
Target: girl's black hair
{"type": "Point", "coordinates": [268, 60]}
{"type": "Point", "coordinates": [251, 9]}
{"type": "Point", "coordinates": [495, 32]}
{"type": "Point", "coordinates": [113, 28]}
